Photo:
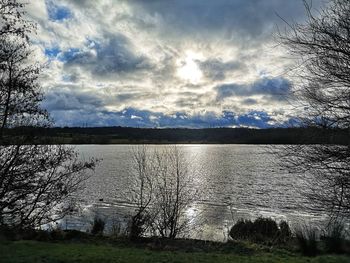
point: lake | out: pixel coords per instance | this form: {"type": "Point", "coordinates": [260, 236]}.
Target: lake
{"type": "Point", "coordinates": [237, 181]}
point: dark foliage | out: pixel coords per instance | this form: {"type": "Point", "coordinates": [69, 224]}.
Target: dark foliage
{"type": "Point", "coordinates": [334, 238]}
{"type": "Point", "coordinates": [285, 232]}
{"type": "Point", "coordinates": [242, 230]}
{"type": "Point", "coordinates": [98, 226]}
{"type": "Point", "coordinates": [307, 241]}
{"type": "Point", "coordinates": [10, 233]}
{"type": "Point", "coordinates": [262, 230]}
{"type": "Point", "coordinates": [139, 225]}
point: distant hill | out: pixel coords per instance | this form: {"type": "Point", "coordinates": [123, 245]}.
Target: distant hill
{"type": "Point", "coordinates": [125, 135]}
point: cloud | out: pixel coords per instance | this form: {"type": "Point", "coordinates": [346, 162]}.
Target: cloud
{"type": "Point", "coordinates": [109, 55]}
{"type": "Point", "coordinates": [237, 20]}
{"type": "Point", "coordinates": [216, 69]}
{"type": "Point", "coordinates": [195, 60]}
{"type": "Point", "coordinates": [65, 99]}
{"type": "Point", "coordinates": [249, 101]}
{"type": "Point", "coordinates": [274, 88]}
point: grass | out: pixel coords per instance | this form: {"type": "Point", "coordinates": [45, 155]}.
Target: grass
{"type": "Point", "coordinates": [54, 252]}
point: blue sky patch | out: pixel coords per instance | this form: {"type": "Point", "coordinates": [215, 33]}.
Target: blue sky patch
{"type": "Point", "coordinates": [52, 52]}
{"type": "Point", "coordinates": [57, 12]}
{"type": "Point", "coordinates": [69, 54]}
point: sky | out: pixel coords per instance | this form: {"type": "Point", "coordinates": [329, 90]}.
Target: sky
{"type": "Point", "coordinates": [165, 63]}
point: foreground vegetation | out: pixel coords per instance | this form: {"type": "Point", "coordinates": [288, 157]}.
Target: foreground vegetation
{"type": "Point", "coordinates": [35, 251]}
{"type": "Point", "coordinates": [75, 246]}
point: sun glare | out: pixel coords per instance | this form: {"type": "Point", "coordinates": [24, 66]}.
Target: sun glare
{"type": "Point", "coordinates": [188, 68]}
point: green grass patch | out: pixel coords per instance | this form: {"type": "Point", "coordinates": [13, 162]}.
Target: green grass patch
{"type": "Point", "coordinates": [53, 252]}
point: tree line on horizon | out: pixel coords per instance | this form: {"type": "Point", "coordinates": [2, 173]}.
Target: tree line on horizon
{"type": "Point", "coordinates": [114, 135]}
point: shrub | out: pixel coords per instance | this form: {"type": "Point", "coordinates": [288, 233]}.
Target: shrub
{"type": "Point", "coordinates": [242, 230]}
{"type": "Point", "coordinates": [139, 225]}
{"type": "Point", "coordinates": [42, 235]}
{"type": "Point", "coordinates": [117, 229]}
{"type": "Point", "coordinates": [261, 230]}
{"type": "Point", "coordinates": [284, 231]}
{"type": "Point", "coordinates": [265, 228]}
{"type": "Point", "coordinates": [14, 233]}
{"type": "Point", "coordinates": [57, 234]}
{"type": "Point", "coordinates": [98, 226]}
{"type": "Point", "coordinates": [334, 238]}
{"type": "Point", "coordinates": [307, 241]}
{"type": "Point", "coordinates": [6, 233]}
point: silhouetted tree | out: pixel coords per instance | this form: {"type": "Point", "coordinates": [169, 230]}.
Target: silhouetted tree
{"type": "Point", "coordinates": [175, 193]}
{"type": "Point", "coordinates": [141, 191]}
{"type": "Point", "coordinates": [35, 180]}
{"type": "Point", "coordinates": [19, 90]}
{"type": "Point", "coordinates": [322, 48]}
{"type": "Point", "coordinates": [162, 190]}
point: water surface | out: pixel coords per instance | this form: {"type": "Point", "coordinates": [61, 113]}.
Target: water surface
{"type": "Point", "coordinates": [237, 181]}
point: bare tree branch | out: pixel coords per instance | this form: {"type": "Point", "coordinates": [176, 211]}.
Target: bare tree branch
{"type": "Point", "coordinates": [322, 47]}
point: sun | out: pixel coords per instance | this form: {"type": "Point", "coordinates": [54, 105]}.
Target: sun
{"type": "Point", "coordinates": [188, 68]}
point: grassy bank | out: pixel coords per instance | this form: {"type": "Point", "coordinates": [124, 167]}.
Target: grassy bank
{"type": "Point", "coordinates": [35, 251]}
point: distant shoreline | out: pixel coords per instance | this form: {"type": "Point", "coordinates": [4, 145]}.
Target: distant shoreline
{"type": "Point", "coordinates": [128, 135]}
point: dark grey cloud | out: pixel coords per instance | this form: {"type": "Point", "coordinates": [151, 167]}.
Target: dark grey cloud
{"type": "Point", "coordinates": [249, 101]}
{"type": "Point", "coordinates": [187, 99]}
{"type": "Point", "coordinates": [110, 55]}
{"type": "Point", "coordinates": [274, 88]}
{"type": "Point", "coordinates": [63, 99]}
{"type": "Point", "coordinates": [70, 98]}
{"type": "Point", "coordinates": [216, 69]}
{"type": "Point", "coordinates": [125, 97]}
{"type": "Point", "coordinates": [244, 19]}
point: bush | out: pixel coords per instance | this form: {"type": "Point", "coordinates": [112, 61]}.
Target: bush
{"type": "Point", "coordinates": [117, 229]}
{"type": "Point", "coordinates": [307, 241]}
{"type": "Point", "coordinates": [98, 226]}
{"type": "Point", "coordinates": [6, 233]}
{"type": "Point", "coordinates": [139, 225]}
{"type": "Point", "coordinates": [14, 233]}
{"type": "Point", "coordinates": [57, 234]}
{"type": "Point", "coordinates": [261, 230]}
{"type": "Point", "coordinates": [265, 227]}
{"type": "Point", "coordinates": [242, 230]}
{"type": "Point", "coordinates": [334, 238]}
{"type": "Point", "coordinates": [284, 231]}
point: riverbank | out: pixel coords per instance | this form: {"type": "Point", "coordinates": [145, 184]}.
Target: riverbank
{"type": "Point", "coordinates": [76, 251]}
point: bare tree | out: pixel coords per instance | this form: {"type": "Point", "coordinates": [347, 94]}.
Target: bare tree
{"type": "Point", "coordinates": [322, 49]}
{"type": "Point", "coordinates": [164, 191]}
{"type": "Point", "coordinates": [141, 191]}
{"type": "Point", "coordinates": [35, 180]}
{"type": "Point", "coordinates": [175, 191]}
{"type": "Point", "coordinates": [19, 89]}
